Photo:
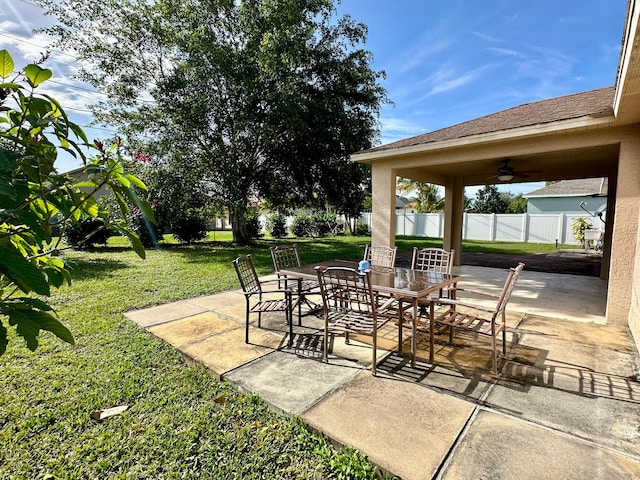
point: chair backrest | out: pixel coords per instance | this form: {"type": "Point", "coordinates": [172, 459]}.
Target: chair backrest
{"type": "Point", "coordinates": [432, 259]}
{"type": "Point", "coordinates": [381, 256]}
{"type": "Point", "coordinates": [345, 289]}
{"type": "Point", "coordinates": [284, 256]}
{"type": "Point", "coordinates": [509, 285]}
{"type": "Point", "coordinates": [247, 274]}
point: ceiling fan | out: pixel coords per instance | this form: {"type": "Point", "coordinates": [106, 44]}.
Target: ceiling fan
{"type": "Point", "coordinates": [506, 173]}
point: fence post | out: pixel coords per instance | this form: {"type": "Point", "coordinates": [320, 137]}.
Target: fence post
{"type": "Point", "coordinates": [492, 227]}
{"type": "Point", "coordinates": [525, 228]}
{"type": "Point", "coordinates": [561, 223]}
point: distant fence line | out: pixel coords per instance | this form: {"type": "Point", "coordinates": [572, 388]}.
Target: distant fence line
{"type": "Point", "coordinates": [507, 227]}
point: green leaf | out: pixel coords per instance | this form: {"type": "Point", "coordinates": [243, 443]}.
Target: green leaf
{"type": "Point", "coordinates": [21, 271]}
{"type": "Point", "coordinates": [36, 75]}
{"type": "Point", "coordinates": [136, 243]}
{"type": "Point", "coordinates": [6, 64]}
{"type": "Point", "coordinates": [136, 181]}
{"type": "Point", "coordinates": [35, 303]}
{"type": "Point", "coordinates": [86, 183]}
{"type": "Point", "coordinates": [10, 85]}
{"type": "Point", "coordinates": [6, 189]}
{"type": "Point", "coordinates": [30, 322]}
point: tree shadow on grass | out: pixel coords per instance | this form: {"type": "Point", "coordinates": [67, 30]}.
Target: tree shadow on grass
{"type": "Point", "coordinates": [93, 268]}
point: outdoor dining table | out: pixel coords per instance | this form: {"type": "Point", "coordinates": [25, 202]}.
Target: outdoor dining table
{"type": "Point", "coordinates": [404, 284]}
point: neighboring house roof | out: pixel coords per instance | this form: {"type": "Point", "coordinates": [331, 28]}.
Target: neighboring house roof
{"type": "Point", "coordinates": [572, 188]}
{"type": "Point", "coordinates": [401, 202]}
{"type": "Point", "coordinates": [592, 103]}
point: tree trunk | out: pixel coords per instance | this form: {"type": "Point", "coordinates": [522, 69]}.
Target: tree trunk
{"type": "Point", "coordinates": [237, 215]}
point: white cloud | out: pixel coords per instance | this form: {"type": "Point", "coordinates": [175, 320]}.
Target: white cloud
{"type": "Point", "coordinates": [449, 78]}
{"type": "Point", "coordinates": [486, 37]}
{"type": "Point", "coordinates": [415, 57]}
{"type": "Point", "coordinates": [505, 51]}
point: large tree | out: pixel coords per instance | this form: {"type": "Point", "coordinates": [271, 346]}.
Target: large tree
{"type": "Point", "coordinates": [256, 98]}
{"type": "Point", "coordinates": [489, 200]}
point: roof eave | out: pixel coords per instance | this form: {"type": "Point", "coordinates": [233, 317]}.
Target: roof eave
{"type": "Point", "coordinates": [580, 123]}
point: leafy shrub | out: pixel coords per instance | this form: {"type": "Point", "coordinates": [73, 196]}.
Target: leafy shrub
{"type": "Point", "coordinates": [189, 228]}
{"type": "Point", "coordinates": [578, 226]}
{"type": "Point", "coordinates": [325, 223]}
{"type": "Point", "coordinates": [254, 227]}
{"type": "Point", "coordinates": [149, 233]}
{"type": "Point", "coordinates": [302, 226]}
{"type": "Point", "coordinates": [86, 233]}
{"type": "Point", "coordinates": [362, 229]}
{"type": "Point", "coordinates": [277, 225]}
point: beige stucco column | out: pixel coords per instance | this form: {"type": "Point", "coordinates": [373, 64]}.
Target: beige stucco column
{"type": "Point", "coordinates": [383, 215]}
{"type": "Point", "coordinates": [453, 216]}
{"type": "Point", "coordinates": [622, 295]}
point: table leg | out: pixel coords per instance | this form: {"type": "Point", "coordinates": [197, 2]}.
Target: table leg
{"type": "Point", "coordinates": [414, 332]}
{"type": "Point", "coordinates": [400, 320]}
{"type": "Point", "coordinates": [299, 302]}
{"type": "Point", "coordinates": [432, 324]}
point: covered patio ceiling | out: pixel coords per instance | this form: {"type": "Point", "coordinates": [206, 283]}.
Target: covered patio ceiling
{"type": "Point", "coordinates": [585, 162]}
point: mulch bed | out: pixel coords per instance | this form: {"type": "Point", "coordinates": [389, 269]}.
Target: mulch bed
{"type": "Point", "coordinates": [570, 262]}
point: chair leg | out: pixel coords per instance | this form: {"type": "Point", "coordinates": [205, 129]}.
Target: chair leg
{"type": "Point", "coordinates": [325, 350]}
{"type": "Point", "coordinates": [375, 356]}
{"type": "Point", "coordinates": [494, 356]}
{"type": "Point", "coordinates": [246, 333]}
{"type": "Point", "coordinates": [289, 317]}
{"type": "Point", "coordinates": [504, 342]}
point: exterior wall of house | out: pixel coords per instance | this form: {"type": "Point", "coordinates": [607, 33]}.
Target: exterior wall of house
{"type": "Point", "coordinates": [634, 311]}
{"type": "Point", "coordinates": [621, 302]}
{"type": "Point", "coordinates": [569, 205]}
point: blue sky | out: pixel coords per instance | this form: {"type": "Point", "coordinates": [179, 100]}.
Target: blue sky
{"type": "Point", "coordinates": [447, 61]}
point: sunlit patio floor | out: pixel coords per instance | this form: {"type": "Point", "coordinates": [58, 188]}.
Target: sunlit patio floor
{"type": "Point", "coordinates": [565, 404]}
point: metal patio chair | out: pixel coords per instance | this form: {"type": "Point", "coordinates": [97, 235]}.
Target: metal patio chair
{"type": "Point", "coordinates": [287, 256]}
{"type": "Point", "coordinates": [381, 256]}
{"type": "Point", "coordinates": [479, 319]}
{"type": "Point", "coordinates": [254, 293]}
{"type": "Point", "coordinates": [349, 306]}
{"type": "Point", "coordinates": [432, 259]}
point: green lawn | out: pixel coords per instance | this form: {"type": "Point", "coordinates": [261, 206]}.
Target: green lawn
{"type": "Point", "coordinates": [181, 423]}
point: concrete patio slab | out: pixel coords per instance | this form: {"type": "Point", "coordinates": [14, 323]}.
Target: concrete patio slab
{"type": "Point", "coordinates": [592, 407]}
{"type": "Point", "coordinates": [291, 383]}
{"type": "Point", "coordinates": [191, 329]}
{"type": "Point", "coordinates": [440, 378]}
{"type": "Point", "coordinates": [606, 336]}
{"type": "Point", "coordinates": [573, 358]}
{"type": "Point", "coordinates": [566, 296]}
{"type": "Point", "coordinates": [404, 428]}
{"type": "Point", "coordinates": [164, 313]}
{"type": "Point", "coordinates": [227, 350]}
{"type": "Point", "coordinates": [501, 447]}
{"type": "Point", "coordinates": [220, 300]}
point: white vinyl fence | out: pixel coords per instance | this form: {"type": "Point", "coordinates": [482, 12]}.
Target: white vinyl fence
{"type": "Point", "coordinates": [508, 227]}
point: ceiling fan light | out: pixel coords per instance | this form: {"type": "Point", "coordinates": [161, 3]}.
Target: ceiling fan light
{"type": "Point", "coordinates": [505, 177]}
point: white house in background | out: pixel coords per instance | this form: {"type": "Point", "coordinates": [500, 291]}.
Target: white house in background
{"type": "Point", "coordinates": [580, 196]}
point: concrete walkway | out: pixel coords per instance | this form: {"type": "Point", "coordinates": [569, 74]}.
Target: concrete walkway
{"type": "Point", "coordinates": [566, 404]}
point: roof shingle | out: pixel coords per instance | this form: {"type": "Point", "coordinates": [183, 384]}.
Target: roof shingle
{"type": "Point", "coordinates": [591, 103]}
{"type": "Point", "coordinates": [578, 187]}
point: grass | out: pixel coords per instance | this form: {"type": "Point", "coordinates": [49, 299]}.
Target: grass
{"type": "Point", "coordinates": [181, 422]}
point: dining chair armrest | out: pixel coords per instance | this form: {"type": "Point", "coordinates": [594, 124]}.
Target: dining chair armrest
{"type": "Point", "coordinates": [462, 303]}
{"type": "Point", "coordinates": [476, 292]}
{"type": "Point", "coordinates": [391, 301]}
